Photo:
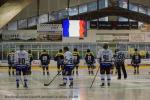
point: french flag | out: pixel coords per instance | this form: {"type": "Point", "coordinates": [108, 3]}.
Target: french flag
{"type": "Point", "coordinates": [74, 28]}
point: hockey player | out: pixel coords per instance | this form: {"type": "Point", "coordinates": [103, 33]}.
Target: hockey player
{"type": "Point", "coordinates": [68, 67]}
{"type": "Point", "coordinates": [11, 63]}
{"type": "Point", "coordinates": [136, 60]}
{"type": "Point", "coordinates": [21, 63]}
{"type": "Point", "coordinates": [60, 59]}
{"type": "Point", "coordinates": [30, 61]}
{"type": "Point", "coordinates": [45, 60]}
{"type": "Point", "coordinates": [76, 60]}
{"type": "Point", "coordinates": [90, 60]}
{"type": "Point", "coordinates": [105, 59]}
{"type": "Point", "coordinates": [119, 63]}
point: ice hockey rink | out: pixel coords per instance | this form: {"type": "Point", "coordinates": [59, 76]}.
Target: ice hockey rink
{"type": "Point", "coordinates": [135, 87]}
{"type": "Point", "coordinates": [47, 26]}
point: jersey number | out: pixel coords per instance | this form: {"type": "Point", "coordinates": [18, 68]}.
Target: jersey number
{"type": "Point", "coordinates": [105, 57]}
{"type": "Point", "coordinates": [89, 57]}
{"type": "Point", "coordinates": [21, 60]}
{"type": "Point", "coordinates": [70, 61]}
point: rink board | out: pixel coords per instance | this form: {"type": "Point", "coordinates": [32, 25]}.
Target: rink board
{"type": "Point", "coordinates": [144, 62]}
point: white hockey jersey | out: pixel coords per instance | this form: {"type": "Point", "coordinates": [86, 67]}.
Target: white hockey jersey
{"type": "Point", "coordinates": [68, 57]}
{"type": "Point", "coordinates": [105, 55]}
{"type": "Point", "coordinates": [21, 57]}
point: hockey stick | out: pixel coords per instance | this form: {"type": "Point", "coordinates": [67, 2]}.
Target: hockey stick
{"type": "Point", "coordinates": [52, 79]}
{"type": "Point", "coordinates": [95, 77]}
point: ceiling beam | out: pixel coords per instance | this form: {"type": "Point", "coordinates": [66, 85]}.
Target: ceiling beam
{"type": "Point", "coordinates": [10, 9]}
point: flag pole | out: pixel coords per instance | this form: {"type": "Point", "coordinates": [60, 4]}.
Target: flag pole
{"type": "Point", "coordinates": [128, 4]}
{"type": "Point", "coordinates": [68, 5]}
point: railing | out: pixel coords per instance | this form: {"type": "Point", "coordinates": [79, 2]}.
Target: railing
{"type": "Point", "coordinates": [52, 48]}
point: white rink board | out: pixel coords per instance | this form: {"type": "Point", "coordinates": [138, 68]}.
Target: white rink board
{"type": "Point", "coordinates": [82, 62]}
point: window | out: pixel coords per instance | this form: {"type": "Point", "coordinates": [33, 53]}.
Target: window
{"type": "Point", "coordinates": [82, 8]}
{"type": "Point", "coordinates": [32, 21]}
{"type": "Point", "coordinates": [53, 15]}
{"type": "Point", "coordinates": [133, 7]}
{"type": "Point", "coordinates": [123, 3]}
{"type": "Point", "coordinates": [122, 19]}
{"type": "Point", "coordinates": [63, 14]}
{"type": "Point", "coordinates": [92, 6]}
{"type": "Point", "coordinates": [142, 10]}
{"type": "Point", "coordinates": [43, 18]}
{"type": "Point", "coordinates": [94, 20]}
{"type": "Point", "coordinates": [22, 23]}
{"type": "Point", "coordinates": [103, 4]}
{"type": "Point", "coordinates": [51, 18]}
{"type": "Point", "coordinates": [12, 26]}
{"type": "Point", "coordinates": [103, 19]}
{"type": "Point", "coordinates": [73, 11]}
{"type": "Point", "coordinates": [132, 20]}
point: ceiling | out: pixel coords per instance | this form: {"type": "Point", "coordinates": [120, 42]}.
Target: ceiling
{"type": "Point", "coordinates": [2, 2]}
